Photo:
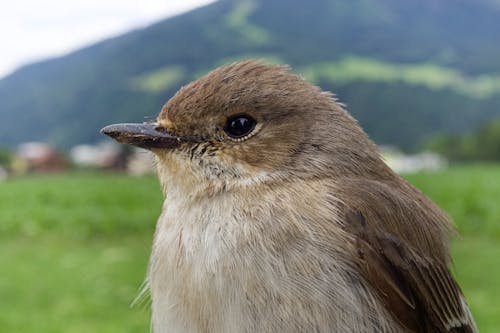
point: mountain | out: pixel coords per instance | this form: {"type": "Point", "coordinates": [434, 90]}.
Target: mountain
{"type": "Point", "coordinates": [406, 69]}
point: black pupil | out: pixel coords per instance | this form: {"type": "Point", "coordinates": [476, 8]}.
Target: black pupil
{"type": "Point", "coordinates": [239, 126]}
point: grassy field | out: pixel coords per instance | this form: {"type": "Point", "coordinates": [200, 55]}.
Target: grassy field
{"type": "Point", "coordinates": [74, 247]}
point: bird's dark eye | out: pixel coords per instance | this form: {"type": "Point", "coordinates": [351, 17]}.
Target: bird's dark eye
{"type": "Point", "coordinates": [239, 126]}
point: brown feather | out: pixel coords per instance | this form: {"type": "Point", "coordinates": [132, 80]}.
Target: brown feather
{"type": "Point", "coordinates": [414, 285]}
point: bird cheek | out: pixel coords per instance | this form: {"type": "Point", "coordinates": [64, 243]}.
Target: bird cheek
{"type": "Point", "coordinates": [263, 156]}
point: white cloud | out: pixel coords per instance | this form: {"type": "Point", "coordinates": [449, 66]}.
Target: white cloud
{"type": "Point", "coordinates": [34, 29]}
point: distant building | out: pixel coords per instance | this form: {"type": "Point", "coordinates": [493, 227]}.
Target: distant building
{"type": "Point", "coordinates": [109, 155]}
{"type": "Point", "coordinates": [37, 157]}
{"type": "Point", "coordinates": [106, 155]}
{"type": "Point", "coordinates": [402, 163]}
{"type": "Point", "coordinates": [3, 174]}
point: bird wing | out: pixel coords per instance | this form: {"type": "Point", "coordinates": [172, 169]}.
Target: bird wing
{"type": "Point", "coordinates": [414, 284]}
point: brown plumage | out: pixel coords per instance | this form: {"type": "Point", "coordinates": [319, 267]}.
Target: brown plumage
{"type": "Point", "coordinates": [280, 216]}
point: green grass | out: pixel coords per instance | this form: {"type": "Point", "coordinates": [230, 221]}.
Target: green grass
{"type": "Point", "coordinates": [74, 247]}
{"type": "Point", "coordinates": [158, 80]}
{"type": "Point", "coordinates": [433, 77]}
{"type": "Point", "coordinates": [63, 284]}
{"type": "Point", "coordinates": [74, 252]}
{"type": "Point", "coordinates": [238, 19]}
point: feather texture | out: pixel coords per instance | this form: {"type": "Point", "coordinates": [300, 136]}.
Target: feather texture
{"type": "Point", "coordinates": [413, 282]}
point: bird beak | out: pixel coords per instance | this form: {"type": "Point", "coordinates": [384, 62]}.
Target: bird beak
{"type": "Point", "coordinates": [142, 135]}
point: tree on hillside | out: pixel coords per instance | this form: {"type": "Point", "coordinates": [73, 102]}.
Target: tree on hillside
{"type": "Point", "coordinates": [482, 145]}
{"type": "Point", "coordinates": [487, 142]}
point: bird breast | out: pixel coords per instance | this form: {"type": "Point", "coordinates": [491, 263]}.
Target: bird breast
{"type": "Point", "coordinates": [271, 260]}
{"type": "Point", "coordinates": [190, 266]}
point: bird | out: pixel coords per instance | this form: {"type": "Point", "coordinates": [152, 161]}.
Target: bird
{"type": "Point", "coordinates": [280, 215]}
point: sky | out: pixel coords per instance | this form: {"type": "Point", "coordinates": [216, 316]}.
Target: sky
{"type": "Point", "coordinates": [32, 30]}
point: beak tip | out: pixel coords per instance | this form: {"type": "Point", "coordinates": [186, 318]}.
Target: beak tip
{"type": "Point", "coordinates": [109, 130]}
{"type": "Point", "coordinates": [105, 130]}
{"type": "Point", "coordinates": [141, 135]}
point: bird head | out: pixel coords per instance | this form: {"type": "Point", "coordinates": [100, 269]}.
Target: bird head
{"type": "Point", "coordinates": [248, 123]}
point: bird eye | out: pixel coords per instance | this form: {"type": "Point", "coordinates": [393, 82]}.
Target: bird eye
{"type": "Point", "coordinates": [239, 126]}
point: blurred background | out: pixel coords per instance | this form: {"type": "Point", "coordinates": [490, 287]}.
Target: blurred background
{"type": "Point", "coordinates": [77, 212]}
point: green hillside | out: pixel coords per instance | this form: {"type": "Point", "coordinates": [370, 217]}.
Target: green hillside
{"type": "Point", "coordinates": [406, 69]}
